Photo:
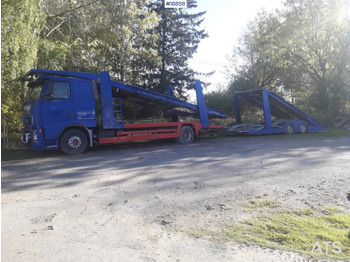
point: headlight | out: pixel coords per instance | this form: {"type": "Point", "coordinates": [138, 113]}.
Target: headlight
{"type": "Point", "coordinates": [35, 137]}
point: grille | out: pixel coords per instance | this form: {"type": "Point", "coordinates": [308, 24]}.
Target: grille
{"type": "Point", "coordinates": [28, 121]}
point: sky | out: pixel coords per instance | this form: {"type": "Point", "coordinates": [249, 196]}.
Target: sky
{"type": "Point", "coordinates": [225, 21]}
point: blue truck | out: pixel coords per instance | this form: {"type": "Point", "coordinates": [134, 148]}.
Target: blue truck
{"type": "Point", "coordinates": [72, 111]}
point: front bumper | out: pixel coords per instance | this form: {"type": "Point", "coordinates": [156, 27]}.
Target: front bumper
{"type": "Point", "coordinates": [34, 139]}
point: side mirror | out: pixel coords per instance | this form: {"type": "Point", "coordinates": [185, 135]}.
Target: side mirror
{"type": "Point", "coordinates": [48, 97]}
{"type": "Point", "coordinates": [49, 92]}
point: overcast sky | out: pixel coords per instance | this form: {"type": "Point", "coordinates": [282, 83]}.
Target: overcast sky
{"type": "Point", "coordinates": [225, 21]}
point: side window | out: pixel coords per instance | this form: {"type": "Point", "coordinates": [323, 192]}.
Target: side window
{"type": "Point", "coordinates": [58, 90]}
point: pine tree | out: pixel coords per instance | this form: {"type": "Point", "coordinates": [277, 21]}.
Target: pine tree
{"type": "Point", "coordinates": [179, 36]}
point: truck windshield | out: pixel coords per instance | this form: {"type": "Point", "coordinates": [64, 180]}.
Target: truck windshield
{"type": "Point", "coordinates": [33, 93]}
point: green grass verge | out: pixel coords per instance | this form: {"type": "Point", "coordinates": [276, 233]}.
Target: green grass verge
{"type": "Point", "coordinates": [25, 153]}
{"type": "Point", "coordinates": [259, 202]}
{"type": "Point", "coordinates": [296, 230]}
{"type": "Point", "coordinates": [333, 132]}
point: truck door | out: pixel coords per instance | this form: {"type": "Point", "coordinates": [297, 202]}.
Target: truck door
{"type": "Point", "coordinates": [57, 107]}
{"type": "Point", "coordinates": [84, 102]}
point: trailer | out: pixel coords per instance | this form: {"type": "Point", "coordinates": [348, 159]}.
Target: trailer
{"type": "Point", "coordinates": [280, 117]}
{"type": "Point", "coordinates": [75, 110]}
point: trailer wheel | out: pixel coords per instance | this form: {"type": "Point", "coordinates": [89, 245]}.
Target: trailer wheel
{"type": "Point", "coordinates": [303, 129]}
{"type": "Point", "coordinates": [289, 129]}
{"type": "Point", "coordinates": [186, 135]}
{"type": "Point", "coordinates": [73, 141]}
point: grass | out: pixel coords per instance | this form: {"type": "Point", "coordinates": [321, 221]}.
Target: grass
{"type": "Point", "coordinates": [295, 230]}
{"type": "Point", "coordinates": [259, 202]}
{"type": "Point", "coordinates": [333, 132]}
{"type": "Point", "coordinates": [21, 153]}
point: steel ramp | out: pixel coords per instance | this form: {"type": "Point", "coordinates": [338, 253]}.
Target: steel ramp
{"type": "Point", "coordinates": [273, 105]}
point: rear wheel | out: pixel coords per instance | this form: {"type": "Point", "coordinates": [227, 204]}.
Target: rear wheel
{"type": "Point", "coordinates": [73, 141]}
{"type": "Point", "coordinates": [289, 129]}
{"type": "Point", "coordinates": [303, 129]}
{"type": "Point", "coordinates": [186, 135]}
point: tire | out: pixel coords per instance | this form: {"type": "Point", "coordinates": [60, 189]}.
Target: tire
{"type": "Point", "coordinates": [289, 129]}
{"type": "Point", "coordinates": [186, 135]}
{"type": "Point", "coordinates": [303, 129]}
{"type": "Point", "coordinates": [73, 141]}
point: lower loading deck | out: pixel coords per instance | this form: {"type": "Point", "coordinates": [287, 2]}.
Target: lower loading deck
{"type": "Point", "coordinates": [150, 131]}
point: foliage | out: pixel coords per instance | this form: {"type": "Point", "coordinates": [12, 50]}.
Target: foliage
{"type": "Point", "coordinates": [320, 49]}
{"type": "Point", "coordinates": [21, 22]}
{"type": "Point", "coordinates": [302, 52]}
{"type": "Point", "coordinates": [93, 36]}
{"type": "Point", "coordinates": [258, 59]}
{"type": "Point", "coordinates": [179, 36]}
{"type": "Point", "coordinates": [220, 100]}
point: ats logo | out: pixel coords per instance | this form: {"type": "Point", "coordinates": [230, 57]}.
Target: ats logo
{"type": "Point", "coordinates": [335, 248]}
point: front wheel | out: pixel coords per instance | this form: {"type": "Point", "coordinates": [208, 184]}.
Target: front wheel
{"type": "Point", "coordinates": [73, 141]}
{"type": "Point", "coordinates": [186, 135]}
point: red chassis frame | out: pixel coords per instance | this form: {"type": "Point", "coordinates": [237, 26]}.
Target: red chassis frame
{"type": "Point", "coordinates": [151, 131]}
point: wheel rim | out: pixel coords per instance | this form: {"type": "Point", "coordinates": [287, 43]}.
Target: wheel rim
{"type": "Point", "coordinates": [187, 136]}
{"type": "Point", "coordinates": [302, 129]}
{"type": "Point", "coordinates": [290, 129]}
{"type": "Point", "coordinates": [74, 142]}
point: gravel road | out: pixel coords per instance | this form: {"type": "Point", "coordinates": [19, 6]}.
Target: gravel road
{"type": "Point", "coordinates": [141, 202]}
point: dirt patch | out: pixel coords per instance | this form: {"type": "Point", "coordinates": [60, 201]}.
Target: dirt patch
{"type": "Point", "coordinates": [148, 203]}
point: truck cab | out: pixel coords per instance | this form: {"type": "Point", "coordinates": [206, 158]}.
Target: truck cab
{"type": "Point", "coordinates": [55, 105]}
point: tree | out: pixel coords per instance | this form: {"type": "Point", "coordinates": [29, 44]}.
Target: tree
{"type": "Point", "coordinates": [179, 36]}
{"type": "Point", "coordinates": [319, 48]}
{"type": "Point", "coordinates": [302, 51]}
{"type": "Point", "coordinates": [126, 40]}
{"type": "Point", "coordinates": [63, 31]}
{"type": "Point", "coordinates": [259, 59]}
{"type": "Point", "coordinates": [96, 35]}
{"type": "Point", "coordinates": [21, 22]}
